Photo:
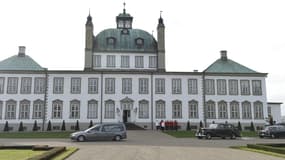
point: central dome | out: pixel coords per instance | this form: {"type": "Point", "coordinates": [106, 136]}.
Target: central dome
{"type": "Point", "coordinates": [125, 40]}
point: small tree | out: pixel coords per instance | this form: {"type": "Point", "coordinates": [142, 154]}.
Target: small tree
{"type": "Point", "coordinates": [63, 126]}
{"type": "Point", "coordinates": [77, 126]}
{"type": "Point", "coordinates": [6, 127]}
{"type": "Point", "coordinates": [21, 128]}
{"type": "Point", "coordinates": [201, 124]}
{"type": "Point", "coordinates": [271, 122]}
{"type": "Point", "coordinates": [239, 126]}
{"type": "Point", "coordinates": [188, 128]}
{"type": "Point", "coordinates": [90, 124]}
{"type": "Point", "coordinates": [252, 126]}
{"type": "Point", "coordinates": [49, 126]}
{"type": "Point", "coordinates": [35, 127]}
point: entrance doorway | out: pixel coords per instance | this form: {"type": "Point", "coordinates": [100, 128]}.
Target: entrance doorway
{"type": "Point", "coordinates": [126, 116]}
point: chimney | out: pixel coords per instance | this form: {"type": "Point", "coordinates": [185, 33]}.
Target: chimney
{"type": "Point", "coordinates": [224, 55]}
{"type": "Point", "coordinates": [22, 50]}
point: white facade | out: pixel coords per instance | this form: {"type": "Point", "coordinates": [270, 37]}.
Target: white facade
{"type": "Point", "coordinates": [136, 90]}
{"type": "Point", "coordinates": [274, 109]}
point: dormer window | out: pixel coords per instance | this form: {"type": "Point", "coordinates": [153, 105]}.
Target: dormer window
{"type": "Point", "coordinates": [139, 42]}
{"type": "Point", "coordinates": [111, 41]}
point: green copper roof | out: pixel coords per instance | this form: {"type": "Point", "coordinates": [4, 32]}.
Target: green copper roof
{"type": "Point", "coordinates": [228, 66]}
{"type": "Point", "coordinates": [20, 63]}
{"type": "Point", "coordinates": [125, 41]}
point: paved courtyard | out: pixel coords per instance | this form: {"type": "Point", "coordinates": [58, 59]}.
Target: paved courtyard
{"type": "Point", "coordinates": [153, 145]}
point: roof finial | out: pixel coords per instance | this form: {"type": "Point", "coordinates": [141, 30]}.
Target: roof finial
{"type": "Point", "coordinates": [160, 20]}
{"type": "Point", "coordinates": [89, 11]}
{"type": "Point", "coordinates": [124, 11]}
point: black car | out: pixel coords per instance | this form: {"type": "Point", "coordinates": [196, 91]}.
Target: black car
{"type": "Point", "coordinates": [274, 131]}
{"type": "Point", "coordinates": [218, 130]}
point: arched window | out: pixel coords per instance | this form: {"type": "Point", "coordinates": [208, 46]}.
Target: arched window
{"type": "Point", "coordinates": [74, 109]}
{"type": "Point", "coordinates": [1, 108]}
{"type": "Point", "coordinates": [223, 110]}
{"type": "Point", "coordinates": [234, 109]}
{"type": "Point", "coordinates": [143, 109]}
{"type": "Point", "coordinates": [92, 111]}
{"type": "Point", "coordinates": [160, 109]}
{"type": "Point", "coordinates": [10, 109]}
{"type": "Point", "coordinates": [210, 110]}
{"type": "Point", "coordinates": [258, 110]}
{"type": "Point", "coordinates": [176, 109]}
{"type": "Point", "coordinates": [139, 42]}
{"type": "Point", "coordinates": [38, 109]}
{"type": "Point", "coordinates": [109, 109]}
{"type": "Point", "coordinates": [24, 111]}
{"type": "Point", "coordinates": [111, 41]}
{"type": "Point", "coordinates": [57, 109]}
{"type": "Point", "coordinates": [193, 109]}
{"type": "Point", "coordinates": [246, 110]}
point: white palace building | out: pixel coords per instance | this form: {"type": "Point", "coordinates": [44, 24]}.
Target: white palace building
{"type": "Point", "coordinates": [125, 80]}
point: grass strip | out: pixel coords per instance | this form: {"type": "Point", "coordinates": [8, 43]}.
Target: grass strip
{"type": "Point", "coordinates": [35, 134]}
{"type": "Point", "coordinates": [181, 134]}
{"type": "Point", "coordinates": [191, 134]}
{"type": "Point", "coordinates": [69, 151]}
{"type": "Point", "coordinates": [259, 151]}
{"type": "Point", "coordinates": [18, 154]}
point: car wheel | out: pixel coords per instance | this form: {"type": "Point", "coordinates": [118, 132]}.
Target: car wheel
{"type": "Point", "coordinates": [117, 138]}
{"type": "Point", "coordinates": [208, 136]}
{"type": "Point", "coordinates": [233, 136]}
{"type": "Point", "coordinates": [81, 139]}
{"type": "Point", "coordinates": [261, 137]}
{"type": "Point", "coordinates": [199, 137]}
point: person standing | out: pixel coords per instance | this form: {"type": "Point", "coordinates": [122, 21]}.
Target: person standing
{"type": "Point", "coordinates": [162, 125]}
{"type": "Point", "coordinates": [157, 125]}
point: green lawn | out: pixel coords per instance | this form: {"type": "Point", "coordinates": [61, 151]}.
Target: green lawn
{"type": "Point", "coordinates": [191, 134]}
{"type": "Point", "coordinates": [16, 154]}
{"type": "Point", "coordinates": [181, 134]}
{"type": "Point", "coordinates": [65, 154]}
{"type": "Point", "coordinates": [35, 134]}
{"type": "Point", "coordinates": [249, 134]}
{"type": "Point", "coordinates": [259, 151]}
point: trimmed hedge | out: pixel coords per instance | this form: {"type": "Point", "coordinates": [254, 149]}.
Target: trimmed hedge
{"type": "Point", "coordinates": [49, 154]}
{"type": "Point", "coordinates": [267, 147]}
{"type": "Point", "coordinates": [50, 151]}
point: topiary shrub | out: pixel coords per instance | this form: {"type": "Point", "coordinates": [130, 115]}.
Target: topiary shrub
{"type": "Point", "coordinates": [6, 127]}
{"type": "Point", "coordinates": [188, 128]}
{"type": "Point", "coordinates": [63, 126]}
{"type": "Point", "coordinates": [35, 127]}
{"type": "Point", "coordinates": [252, 127]}
{"type": "Point", "coordinates": [201, 124]}
{"type": "Point", "coordinates": [239, 126]}
{"type": "Point", "coordinates": [271, 122]}
{"type": "Point", "coordinates": [90, 124]}
{"type": "Point", "coordinates": [21, 128]}
{"type": "Point", "coordinates": [49, 126]}
{"type": "Point", "coordinates": [77, 126]}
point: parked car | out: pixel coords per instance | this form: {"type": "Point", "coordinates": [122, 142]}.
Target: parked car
{"type": "Point", "coordinates": [274, 131]}
{"type": "Point", "coordinates": [108, 131]}
{"type": "Point", "coordinates": [218, 130]}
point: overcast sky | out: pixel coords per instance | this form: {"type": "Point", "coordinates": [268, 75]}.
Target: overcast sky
{"type": "Point", "coordinates": [252, 31]}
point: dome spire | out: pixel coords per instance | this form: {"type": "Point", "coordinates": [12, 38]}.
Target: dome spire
{"type": "Point", "coordinates": [124, 10]}
{"type": "Point", "coordinates": [89, 18]}
{"type": "Point", "coordinates": [160, 20]}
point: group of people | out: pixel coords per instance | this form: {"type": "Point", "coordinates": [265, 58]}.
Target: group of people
{"type": "Point", "coordinates": [160, 125]}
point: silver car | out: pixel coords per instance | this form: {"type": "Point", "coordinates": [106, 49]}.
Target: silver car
{"type": "Point", "coordinates": [108, 131]}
